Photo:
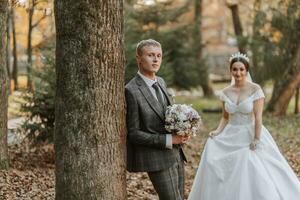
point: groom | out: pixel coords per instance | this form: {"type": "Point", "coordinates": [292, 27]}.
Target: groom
{"type": "Point", "coordinates": [150, 148]}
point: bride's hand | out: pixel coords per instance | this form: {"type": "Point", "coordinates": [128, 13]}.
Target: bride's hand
{"type": "Point", "coordinates": [254, 144]}
{"type": "Point", "coordinates": [213, 133]}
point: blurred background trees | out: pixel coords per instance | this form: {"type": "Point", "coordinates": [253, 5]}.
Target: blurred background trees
{"type": "Point", "coordinates": [274, 46]}
{"type": "Point", "coordinates": [39, 105]}
{"type": "Point", "coordinates": [183, 65]}
{"type": "Point", "coordinates": [197, 37]}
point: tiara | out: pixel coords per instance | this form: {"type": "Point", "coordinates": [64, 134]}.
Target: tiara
{"type": "Point", "coordinates": [239, 55]}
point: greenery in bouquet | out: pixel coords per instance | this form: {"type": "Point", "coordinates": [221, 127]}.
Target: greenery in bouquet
{"type": "Point", "coordinates": [182, 119]}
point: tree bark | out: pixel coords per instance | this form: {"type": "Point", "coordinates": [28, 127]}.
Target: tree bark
{"type": "Point", "coordinates": [3, 86]}
{"type": "Point", "coordinates": [207, 90]}
{"type": "Point", "coordinates": [257, 7]}
{"type": "Point", "coordinates": [15, 54]}
{"type": "Point", "coordinates": [257, 67]}
{"type": "Point", "coordinates": [90, 133]}
{"type": "Point", "coordinates": [238, 29]}
{"type": "Point", "coordinates": [205, 85]}
{"type": "Point", "coordinates": [31, 25]}
{"type": "Point", "coordinates": [296, 111]}
{"type": "Point", "coordinates": [8, 48]}
{"type": "Point", "coordinates": [285, 88]}
{"type": "Point", "coordinates": [31, 8]}
{"type": "Point", "coordinates": [198, 25]}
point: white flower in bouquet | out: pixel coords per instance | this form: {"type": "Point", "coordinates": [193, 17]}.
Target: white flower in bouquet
{"type": "Point", "coordinates": [182, 119]}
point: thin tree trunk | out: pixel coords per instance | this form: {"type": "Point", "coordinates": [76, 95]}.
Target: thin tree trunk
{"type": "Point", "coordinates": [31, 26]}
{"type": "Point", "coordinates": [207, 90]}
{"type": "Point", "coordinates": [3, 86]}
{"type": "Point", "coordinates": [256, 67]}
{"type": "Point", "coordinates": [29, 45]}
{"type": "Point", "coordinates": [15, 54]}
{"type": "Point", "coordinates": [257, 7]}
{"type": "Point", "coordinates": [90, 131]}
{"type": "Point", "coordinates": [297, 100]}
{"type": "Point", "coordinates": [198, 24]}
{"type": "Point", "coordinates": [238, 29]}
{"type": "Point", "coordinates": [205, 85]}
{"type": "Point", "coordinates": [8, 48]}
{"type": "Point", "coordinates": [285, 88]}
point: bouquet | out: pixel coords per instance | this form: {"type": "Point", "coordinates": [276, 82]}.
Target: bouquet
{"type": "Point", "coordinates": [182, 119]}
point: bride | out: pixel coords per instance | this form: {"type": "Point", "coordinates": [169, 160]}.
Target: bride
{"type": "Point", "coordinates": [240, 160]}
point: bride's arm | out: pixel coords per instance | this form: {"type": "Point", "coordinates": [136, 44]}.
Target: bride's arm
{"type": "Point", "coordinates": [223, 122]}
{"type": "Point", "coordinates": [258, 110]}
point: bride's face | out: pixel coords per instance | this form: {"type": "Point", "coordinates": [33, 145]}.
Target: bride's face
{"type": "Point", "coordinates": [238, 71]}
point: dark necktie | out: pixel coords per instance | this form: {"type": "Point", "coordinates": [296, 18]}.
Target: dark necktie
{"type": "Point", "coordinates": [159, 96]}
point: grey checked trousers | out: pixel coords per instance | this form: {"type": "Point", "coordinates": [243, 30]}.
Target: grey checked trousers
{"type": "Point", "coordinates": [169, 183]}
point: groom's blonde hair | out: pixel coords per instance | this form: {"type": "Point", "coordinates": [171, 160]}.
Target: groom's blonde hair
{"type": "Point", "coordinates": [143, 43]}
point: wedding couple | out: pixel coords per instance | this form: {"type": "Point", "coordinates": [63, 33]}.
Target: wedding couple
{"type": "Point", "coordinates": [240, 160]}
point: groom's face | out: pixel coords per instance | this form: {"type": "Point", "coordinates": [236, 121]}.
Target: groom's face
{"type": "Point", "coordinates": [150, 60]}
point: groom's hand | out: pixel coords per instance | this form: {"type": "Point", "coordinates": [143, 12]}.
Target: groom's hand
{"type": "Point", "coordinates": [178, 139]}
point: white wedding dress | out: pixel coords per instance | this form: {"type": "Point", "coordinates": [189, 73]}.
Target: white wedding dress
{"type": "Point", "coordinates": [229, 170]}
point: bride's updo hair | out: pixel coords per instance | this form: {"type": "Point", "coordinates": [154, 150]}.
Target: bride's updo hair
{"type": "Point", "coordinates": [240, 59]}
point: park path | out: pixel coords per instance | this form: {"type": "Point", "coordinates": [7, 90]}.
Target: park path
{"type": "Point", "coordinates": [13, 135]}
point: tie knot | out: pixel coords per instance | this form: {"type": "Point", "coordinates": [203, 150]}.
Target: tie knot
{"type": "Point", "coordinates": [155, 85]}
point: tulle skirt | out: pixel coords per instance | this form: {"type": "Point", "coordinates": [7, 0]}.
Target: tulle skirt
{"type": "Point", "coordinates": [229, 170]}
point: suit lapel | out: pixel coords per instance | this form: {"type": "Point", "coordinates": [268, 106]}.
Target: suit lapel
{"type": "Point", "coordinates": [149, 97]}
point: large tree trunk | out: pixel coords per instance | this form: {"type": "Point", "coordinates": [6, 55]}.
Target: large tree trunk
{"type": "Point", "coordinates": [205, 85]}
{"type": "Point", "coordinates": [15, 54]}
{"type": "Point", "coordinates": [285, 88]}
{"type": "Point", "coordinates": [90, 133]}
{"type": "Point", "coordinates": [3, 87]}
{"type": "Point", "coordinates": [238, 29]}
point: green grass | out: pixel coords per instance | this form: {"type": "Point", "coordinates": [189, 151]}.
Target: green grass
{"type": "Point", "coordinates": [199, 103]}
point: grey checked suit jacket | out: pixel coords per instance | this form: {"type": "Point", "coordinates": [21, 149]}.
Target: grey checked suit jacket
{"type": "Point", "coordinates": [146, 135]}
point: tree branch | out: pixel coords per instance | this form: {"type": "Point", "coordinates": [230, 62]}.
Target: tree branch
{"type": "Point", "coordinates": [41, 19]}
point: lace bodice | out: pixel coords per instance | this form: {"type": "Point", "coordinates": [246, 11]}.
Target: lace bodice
{"type": "Point", "coordinates": [241, 113]}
